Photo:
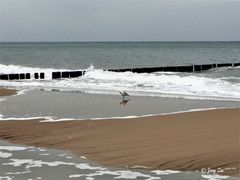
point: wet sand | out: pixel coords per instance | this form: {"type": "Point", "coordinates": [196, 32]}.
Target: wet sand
{"type": "Point", "coordinates": [186, 142]}
{"type": "Point", "coordinates": [7, 92]}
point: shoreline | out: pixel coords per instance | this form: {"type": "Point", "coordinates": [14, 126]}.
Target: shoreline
{"type": "Point", "coordinates": [7, 92]}
{"type": "Point", "coordinates": [186, 141]}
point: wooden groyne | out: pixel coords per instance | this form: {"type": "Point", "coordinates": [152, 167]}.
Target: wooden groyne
{"type": "Point", "coordinates": [15, 76]}
{"type": "Point", "coordinates": [74, 74]}
{"type": "Point", "coordinates": [67, 74]}
{"type": "Point", "coordinates": [192, 68]}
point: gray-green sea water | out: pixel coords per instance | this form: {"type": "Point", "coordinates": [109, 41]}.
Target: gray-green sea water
{"type": "Point", "coordinates": [217, 84]}
{"type": "Point", "coordinates": [117, 54]}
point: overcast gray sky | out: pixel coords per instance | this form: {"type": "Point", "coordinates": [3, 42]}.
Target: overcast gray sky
{"type": "Point", "coordinates": [119, 20]}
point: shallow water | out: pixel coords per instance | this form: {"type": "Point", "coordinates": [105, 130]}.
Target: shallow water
{"type": "Point", "coordinates": [18, 162]}
{"type": "Point", "coordinates": [75, 105]}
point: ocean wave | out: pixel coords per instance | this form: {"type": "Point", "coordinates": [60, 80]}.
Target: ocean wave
{"type": "Point", "coordinates": [163, 84]}
{"type": "Point", "coordinates": [221, 69]}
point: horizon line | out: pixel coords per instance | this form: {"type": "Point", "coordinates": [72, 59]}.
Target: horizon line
{"type": "Point", "coordinates": [118, 41]}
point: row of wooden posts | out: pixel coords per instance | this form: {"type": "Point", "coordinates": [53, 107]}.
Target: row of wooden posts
{"type": "Point", "coordinates": [21, 76]}
{"type": "Point", "coordinates": [74, 74]}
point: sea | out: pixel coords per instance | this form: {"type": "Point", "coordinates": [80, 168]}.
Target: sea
{"type": "Point", "coordinates": [96, 96]}
{"type": "Point", "coordinates": [219, 83]}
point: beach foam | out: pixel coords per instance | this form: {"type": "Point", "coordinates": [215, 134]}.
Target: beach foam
{"type": "Point", "coordinates": [131, 117]}
{"type": "Point", "coordinates": [12, 148]}
{"type": "Point", "coordinates": [5, 155]}
{"type": "Point", "coordinates": [166, 172]}
{"type": "Point", "coordinates": [5, 178]}
{"type": "Point", "coordinates": [97, 171]}
{"type": "Point", "coordinates": [52, 119]}
{"type": "Point", "coordinates": [214, 177]}
{"type": "Point", "coordinates": [1, 99]}
{"type": "Point", "coordinates": [162, 84]}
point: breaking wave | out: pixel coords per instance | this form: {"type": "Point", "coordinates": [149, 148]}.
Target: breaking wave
{"type": "Point", "coordinates": [162, 84]}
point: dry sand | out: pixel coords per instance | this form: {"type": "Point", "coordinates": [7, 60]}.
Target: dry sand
{"type": "Point", "coordinates": [187, 141]}
{"type": "Point", "coordinates": [7, 92]}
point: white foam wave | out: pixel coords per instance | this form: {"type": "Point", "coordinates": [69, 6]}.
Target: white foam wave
{"type": "Point", "coordinates": [234, 78]}
{"type": "Point", "coordinates": [214, 177]}
{"type": "Point", "coordinates": [2, 118]}
{"type": "Point", "coordinates": [142, 116]}
{"type": "Point", "coordinates": [17, 173]}
{"type": "Point", "coordinates": [5, 178]}
{"type": "Point", "coordinates": [165, 172]}
{"type": "Point", "coordinates": [175, 85]}
{"type": "Point", "coordinates": [12, 148]}
{"type": "Point", "coordinates": [0, 101]}
{"type": "Point", "coordinates": [52, 119]}
{"type": "Point", "coordinates": [95, 170]}
{"type": "Point", "coordinates": [5, 154]}
{"type": "Point", "coordinates": [119, 175]}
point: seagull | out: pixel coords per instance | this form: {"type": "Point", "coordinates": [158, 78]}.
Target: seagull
{"type": "Point", "coordinates": [124, 94]}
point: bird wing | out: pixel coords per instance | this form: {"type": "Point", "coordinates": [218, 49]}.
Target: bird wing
{"type": "Point", "coordinates": [125, 93]}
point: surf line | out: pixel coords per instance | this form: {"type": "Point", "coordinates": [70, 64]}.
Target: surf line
{"type": "Point", "coordinates": [75, 74]}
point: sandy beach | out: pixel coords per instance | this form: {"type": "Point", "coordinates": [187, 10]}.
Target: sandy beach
{"type": "Point", "coordinates": [7, 92]}
{"type": "Point", "coordinates": [185, 141]}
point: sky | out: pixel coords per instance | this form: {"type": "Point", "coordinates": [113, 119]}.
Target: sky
{"type": "Point", "coordinates": [119, 20]}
